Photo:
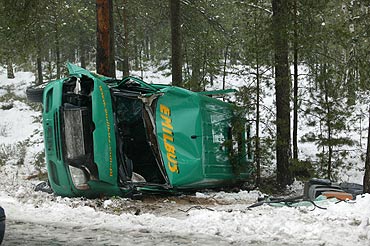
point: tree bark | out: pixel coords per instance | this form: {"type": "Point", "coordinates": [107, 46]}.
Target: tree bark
{"type": "Point", "coordinates": [295, 79]}
{"type": "Point", "coordinates": [9, 68]}
{"type": "Point", "coordinates": [328, 125]}
{"type": "Point", "coordinates": [126, 68]}
{"type": "Point", "coordinates": [82, 52]}
{"type": "Point", "coordinates": [282, 87]}
{"type": "Point", "coordinates": [105, 64]}
{"type": "Point", "coordinates": [176, 54]}
{"type": "Point", "coordinates": [257, 147]}
{"type": "Point", "coordinates": [56, 42]}
{"type": "Point", "coordinates": [226, 52]}
{"type": "Point", "coordinates": [40, 78]}
{"type": "Point", "coordinates": [366, 181]}
{"type": "Point", "coordinates": [194, 83]}
{"type": "Point", "coordinates": [137, 51]}
{"type": "Point", "coordinates": [57, 51]}
{"type": "Point", "coordinates": [258, 85]}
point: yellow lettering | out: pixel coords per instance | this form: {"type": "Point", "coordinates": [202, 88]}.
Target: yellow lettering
{"type": "Point", "coordinates": [108, 131]}
{"type": "Point", "coordinates": [164, 109]}
{"type": "Point", "coordinates": [166, 130]}
{"type": "Point", "coordinates": [171, 158]}
{"type": "Point", "coordinates": [173, 167]}
{"type": "Point", "coordinates": [172, 163]}
{"type": "Point", "coordinates": [166, 122]}
{"type": "Point", "coordinates": [167, 137]}
{"type": "Point", "coordinates": [169, 147]}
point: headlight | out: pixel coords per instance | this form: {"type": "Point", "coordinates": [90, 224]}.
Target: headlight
{"type": "Point", "coordinates": [79, 178]}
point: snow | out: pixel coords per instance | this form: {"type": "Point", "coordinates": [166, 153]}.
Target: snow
{"type": "Point", "coordinates": [13, 123]}
{"type": "Point", "coordinates": [205, 218]}
{"type": "Point", "coordinates": [18, 85]}
{"type": "Point", "coordinates": [341, 224]}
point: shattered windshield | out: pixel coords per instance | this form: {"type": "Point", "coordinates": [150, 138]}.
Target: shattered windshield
{"type": "Point", "coordinates": [134, 148]}
{"type": "Point", "coordinates": [128, 111]}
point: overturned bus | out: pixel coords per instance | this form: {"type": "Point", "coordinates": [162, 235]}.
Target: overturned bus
{"type": "Point", "coordinates": [109, 137]}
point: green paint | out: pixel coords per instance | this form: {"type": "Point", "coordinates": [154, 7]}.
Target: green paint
{"type": "Point", "coordinates": [191, 136]}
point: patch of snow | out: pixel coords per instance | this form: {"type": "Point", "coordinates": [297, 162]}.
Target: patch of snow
{"type": "Point", "coordinates": [18, 85]}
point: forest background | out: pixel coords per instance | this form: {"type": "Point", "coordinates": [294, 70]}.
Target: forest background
{"type": "Point", "coordinates": [313, 55]}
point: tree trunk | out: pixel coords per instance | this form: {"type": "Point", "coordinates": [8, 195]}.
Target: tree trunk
{"type": "Point", "coordinates": [328, 118]}
{"type": "Point", "coordinates": [226, 53]}
{"type": "Point", "coordinates": [82, 47]}
{"type": "Point", "coordinates": [40, 78]}
{"type": "Point", "coordinates": [9, 68]}
{"type": "Point", "coordinates": [258, 82]}
{"type": "Point", "coordinates": [258, 151]}
{"type": "Point", "coordinates": [196, 63]}
{"type": "Point", "coordinates": [50, 65]}
{"type": "Point", "coordinates": [147, 46]}
{"type": "Point", "coordinates": [195, 74]}
{"type": "Point", "coordinates": [295, 93]}
{"type": "Point", "coordinates": [176, 57]}
{"type": "Point", "coordinates": [366, 182]}
{"type": "Point", "coordinates": [57, 46]}
{"type": "Point", "coordinates": [328, 125]}
{"type": "Point", "coordinates": [126, 68]}
{"type": "Point", "coordinates": [105, 64]}
{"type": "Point", "coordinates": [282, 87]}
{"type": "Point", "coordinates": [137, 54]}
{"type": "Point", "coordinates": [58, 59]}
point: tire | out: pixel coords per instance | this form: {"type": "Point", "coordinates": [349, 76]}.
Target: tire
{"type": "Point", "coordinates": [34, 94]}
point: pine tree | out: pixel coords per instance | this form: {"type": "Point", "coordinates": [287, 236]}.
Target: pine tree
{"type": "Point", "coordinates": [282, 87]}
{"type": "Point", "coordinates": [256, 40]}
{"type": "Point", "coordinates": [328, 109]}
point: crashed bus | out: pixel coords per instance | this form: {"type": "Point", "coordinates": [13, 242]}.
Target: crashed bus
{"type": "Point", "coordinates": [110, 137]}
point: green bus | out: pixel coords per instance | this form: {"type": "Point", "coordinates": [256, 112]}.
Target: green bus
{"type": "Point", "coordinates": [110, 137]}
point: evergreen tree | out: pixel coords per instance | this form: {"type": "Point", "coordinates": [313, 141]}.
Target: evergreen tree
{"type": "Point", "coordinates": [257, 46]}
{"type": "Point", "coordinates": [330, 89]}
{"type": "Point", "coordinates": [282, 87]}
{"type": "Point", "coordinates": [13, 16]}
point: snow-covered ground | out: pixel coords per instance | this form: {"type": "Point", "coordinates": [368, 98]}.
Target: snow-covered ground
{"type": "Point", "coordinates": [208, 218]}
